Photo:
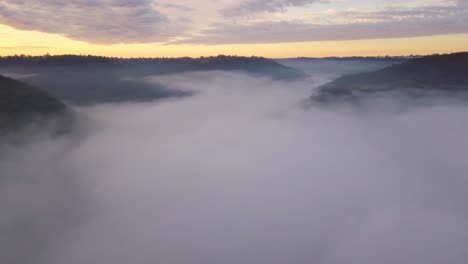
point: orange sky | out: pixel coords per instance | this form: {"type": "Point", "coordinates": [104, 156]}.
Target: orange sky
{"type": "Point", "coordinates": [15, 41]}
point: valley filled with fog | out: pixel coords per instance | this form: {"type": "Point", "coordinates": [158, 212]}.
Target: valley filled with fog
{"type": "Point", "coordinates": [238, 171]}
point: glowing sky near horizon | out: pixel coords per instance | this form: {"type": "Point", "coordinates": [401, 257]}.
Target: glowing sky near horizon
{"type": "Point", "coordinates": [271, 28]}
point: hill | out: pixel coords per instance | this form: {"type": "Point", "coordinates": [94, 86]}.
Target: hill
{"type": "Point", "coordinates": [430, 75]}
{"type": "Point", "coordinates": [22, 104]}
{"type": "Point", "coordinates": [88, 80]}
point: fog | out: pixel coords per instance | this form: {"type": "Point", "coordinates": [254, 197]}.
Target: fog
{"type": "Point", "coordinates": [239, 173]}
{"type": "Point", "coordinates": [329, 68]}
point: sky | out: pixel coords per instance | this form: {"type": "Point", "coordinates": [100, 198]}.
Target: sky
{"type": "Point", "coordinates": [271, 28]}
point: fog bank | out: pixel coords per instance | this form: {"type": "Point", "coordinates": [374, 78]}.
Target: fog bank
{"type": "Point", "coordinates": [238, 173]}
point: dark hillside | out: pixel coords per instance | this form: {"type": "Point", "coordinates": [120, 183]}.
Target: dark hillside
{"type": "Point", "coordinates": [435, 74]}
{"type": "Point", "coordinates": [21, 104]}
{"type": "Point", "coordinates": [86, 80]}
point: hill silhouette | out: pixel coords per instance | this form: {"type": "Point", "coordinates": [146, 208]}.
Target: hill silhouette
{"type": "Point", "coordinates": [252, 64]}
{"type": "Point", "coordinates": [88, 80]}
{"type": "Point", "coordinates": [21, 104]}
{"type": "Point", "coordinates": [429, 75]}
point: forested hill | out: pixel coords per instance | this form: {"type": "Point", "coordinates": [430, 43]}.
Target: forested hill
{"type": "Point", "coordinates": [256, 65]}
{"type": "Point", "coordinates": [430, 74]}
{"type": "Point", "coordinates": [87, 80]}
{"type": "Point", "coordinates": [21, 103]}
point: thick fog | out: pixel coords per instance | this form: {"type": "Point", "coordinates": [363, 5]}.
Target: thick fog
{"type": "Point", "coordinates": [239, 173]}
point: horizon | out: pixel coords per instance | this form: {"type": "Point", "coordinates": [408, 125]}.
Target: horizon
{"type": "Point", "coordinates": [226, 55]}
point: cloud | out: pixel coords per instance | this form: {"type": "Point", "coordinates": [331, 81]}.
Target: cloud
{"type": "Point", "coordinates": [178, 7]}
{"type": "Point", "coordinates": [350, 25]}
{"type": "Point", "coordinates": [421, 13]}
{"type": "Point", "coordinates": [96, 21]}
{"type": "Point", "coordinates": [229, 22]}
{"type": "Point", "coordinates": [246, 7]}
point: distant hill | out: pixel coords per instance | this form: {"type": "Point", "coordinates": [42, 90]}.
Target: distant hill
{"type": "Point", "coordinates": [430, 75]}
{"type": "Point", "coordinates": [21, 104]}
{"type": "Point", "coordinates": [89, 79]}
{"type": "Point", "coordinates": [254, 65]}
{"type": "Point", "coordinates": [333, 67]}
{"type": "Point", "coordinates": [361, 58]}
